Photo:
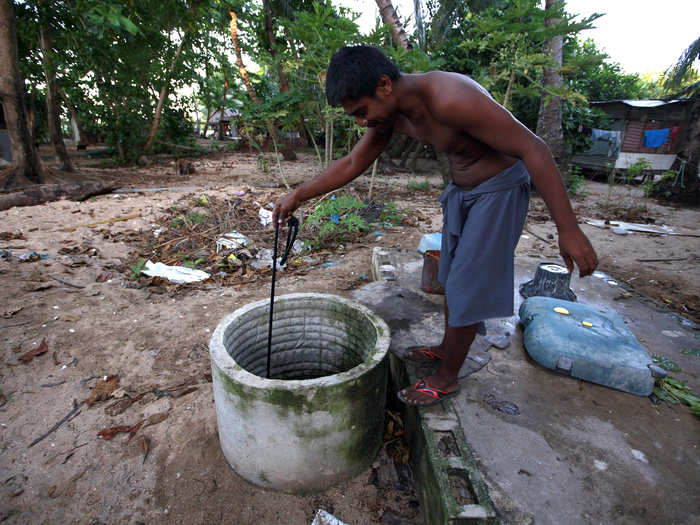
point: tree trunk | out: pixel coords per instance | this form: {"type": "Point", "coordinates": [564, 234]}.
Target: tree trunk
{"type": "Point", "coordinates": [76, 191]}
{"type": "Point", "coordinates": [25, 158]}
{"type": "Point", "coordinates": [271, 40]}
{"type": "Point", "coordinates": [233, 26]}
{"type": "Point", "coordinates": [75, 118]}
{"type": "Point", "coordinates": [549, 122]}
{"type": "Point", "coordinates": [390, 18]}
{"type": "Point", "coordinates": [53, 111]}
{"type": "Point", "coordinates": [163, 95]}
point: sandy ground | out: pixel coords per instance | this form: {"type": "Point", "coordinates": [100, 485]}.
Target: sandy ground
{"type": "Point", "coordinates": [97, 321]}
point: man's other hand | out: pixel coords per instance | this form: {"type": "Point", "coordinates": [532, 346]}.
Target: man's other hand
{"type": "Point", "coordinates": [284, 207]}
{"type": "Point", "coordinates": [575, 247]}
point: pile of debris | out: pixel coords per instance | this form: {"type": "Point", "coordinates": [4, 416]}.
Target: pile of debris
{"type": "Point", "coordinates": [229, 239]}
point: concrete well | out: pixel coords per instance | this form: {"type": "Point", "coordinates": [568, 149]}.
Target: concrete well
{"type": "Point", "coordinates": [318, 420]}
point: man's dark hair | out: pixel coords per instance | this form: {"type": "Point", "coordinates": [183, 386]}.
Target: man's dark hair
{"type": "Point", "coordinates": [354, 71]}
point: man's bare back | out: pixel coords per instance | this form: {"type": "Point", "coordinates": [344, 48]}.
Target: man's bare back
{"type": "Point", "coordinates": [471, 161]}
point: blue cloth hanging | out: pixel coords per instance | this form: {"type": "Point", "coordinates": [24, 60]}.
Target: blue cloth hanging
{"type": "Point", "coordinates": [653, 138]}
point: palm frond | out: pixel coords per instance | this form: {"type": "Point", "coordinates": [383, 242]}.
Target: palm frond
{"type": "Point", "coordinates": [676, 73]}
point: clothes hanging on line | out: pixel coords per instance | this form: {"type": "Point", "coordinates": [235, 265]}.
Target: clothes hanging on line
{"type": "Point", "coordinates": [654, 138]}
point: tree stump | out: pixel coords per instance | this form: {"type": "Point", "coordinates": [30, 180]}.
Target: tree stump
{"type": "Point", "coordinates": [551, 280]}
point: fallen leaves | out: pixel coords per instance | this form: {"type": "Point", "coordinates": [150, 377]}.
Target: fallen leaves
{"type": "Point", "coordinates": [41, 349]}
{"type": "Point", "coordinates": [9, 236]}
{"type": "Point", "coordinates": [103, 390]}
{"type": "Point", "coordinates": [109, 433]}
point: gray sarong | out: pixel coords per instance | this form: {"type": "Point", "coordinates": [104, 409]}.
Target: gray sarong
{"type": "Point", "coordinates": [481, 228]}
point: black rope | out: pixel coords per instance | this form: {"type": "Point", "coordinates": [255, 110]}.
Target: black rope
{"type": "Point", "coordinates": [293, 225]}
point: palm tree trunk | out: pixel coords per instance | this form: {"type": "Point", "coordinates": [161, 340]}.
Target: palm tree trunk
{"type": "Point", "coordinates": [25, 158]}
{"type": "Point", "coordinates": [233, 26]}
{"type": "Point", "coordinates": [54, 115]}
{"type": "Point", "coordinates": [549, 122]}
{"type": "Point", "coordinates": [390, 18]}
{"type": "Point", "coordinates": [163, 96]}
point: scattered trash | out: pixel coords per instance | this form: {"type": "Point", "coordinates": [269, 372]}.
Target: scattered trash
{"type": "Point", "coordinates": [5, 254]}
{"type": "Point", "coordinates": [586, 323]}
{"type": "Point", "coordinates": [694, 351]}
{"type": "Point", "coordinates": [232, 241]}
{"type": "Point", "coordinates": [599, 275]}
{"type": "Point", "coordinates": [620, 231]}
{"type": "Point", "coordinates": [330, 264]}
{"type": "Point", "coordinates": [324, 518]}
{"type": "Point", "coordinates": [157, 232]}
{"type": "Point", "coordinates": [298, 246]}
{"type": "Point", "coordinates": [265, 217]}
{"type": "Point", "coordinates": [174, 274]}
{"type": "Point", "coordinates": [503, 406]}
{"type": "Point", "coordinates": [41, 349]}
{"type": "Point", "coordinates": [671, 333]}
{"type": "Point", "coordinates": [263, 259]}
{"type": "Point", "coordinates": [561, 310]}
{"type": "Point", "coordinates": [32, 257]}
{"type": "Point", "coordinates": [612, 283]}
{"type": "Point", "coordinates": [638, 454]}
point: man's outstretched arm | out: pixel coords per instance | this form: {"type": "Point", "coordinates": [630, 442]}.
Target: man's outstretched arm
{"type": "Point", "coordinates": [339, 173]}
{"type": "Point", "coordinates": [466, 107]}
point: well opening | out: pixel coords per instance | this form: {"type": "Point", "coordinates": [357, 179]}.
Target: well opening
{"type": "Point", "coordinates": [311, 338]}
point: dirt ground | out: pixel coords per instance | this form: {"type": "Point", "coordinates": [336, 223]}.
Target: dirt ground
{"type": "Point", "coordinates": [82, 305]}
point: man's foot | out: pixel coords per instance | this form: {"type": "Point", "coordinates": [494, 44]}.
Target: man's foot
{"type": "Point", "coordinates": [423, 394]}
{"type": "Point", "coordinates": [424, 355]}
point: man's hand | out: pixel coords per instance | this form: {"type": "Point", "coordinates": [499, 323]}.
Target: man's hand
{"type": "Point", "coordinates": [284, 207]}
{"type": "Point", "coordinates": [574, 246]}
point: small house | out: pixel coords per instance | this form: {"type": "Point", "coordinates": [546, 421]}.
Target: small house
{"type": "Point", "coordinates": [227, 117]}
{"type": "Point", "coordinates": [649, 129]}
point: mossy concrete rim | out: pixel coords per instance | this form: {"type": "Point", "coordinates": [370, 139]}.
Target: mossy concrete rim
{"type": "Point", "coordinates": [223, 360]}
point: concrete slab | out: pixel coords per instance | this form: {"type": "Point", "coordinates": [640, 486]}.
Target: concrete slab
{"type": "Point", "coordinates": [571, 451]}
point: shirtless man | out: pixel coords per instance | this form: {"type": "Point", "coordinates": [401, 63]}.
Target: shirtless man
{"type": "Point", "coordinates": [492, 156]}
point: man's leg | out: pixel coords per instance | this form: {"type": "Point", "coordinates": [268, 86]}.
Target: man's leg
{"type": "Point", "coordinates": [455, 346]}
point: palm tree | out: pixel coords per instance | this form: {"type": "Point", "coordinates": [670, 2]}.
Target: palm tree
{"type": "Point", "coordinates": [390, 18]}
{"type": "Point", "coordinates": [688, 159]}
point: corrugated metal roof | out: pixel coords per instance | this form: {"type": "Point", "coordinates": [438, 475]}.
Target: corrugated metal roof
{"type": "Point", "coordinates": [643, 103]}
